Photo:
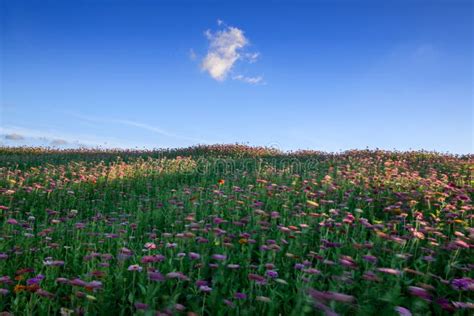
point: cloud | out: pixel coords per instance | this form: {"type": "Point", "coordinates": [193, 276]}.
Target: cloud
{"type": "Point", "coordinates": [143, 126]}
{"type": "Point", "coordinates": [58, 142]}
{"type": "Point", "coordinates": [44, 137]}
{"type": "Point", "coordinates": [252, 57]}
{"type": "Point", "coordinates": [225, 49]}
{"type": "Point", "coordinates": [251, 80]}
{"type": "Point", "coordinates": [14, 136]}
{"type": "Point", "coordinates": [192, 54]}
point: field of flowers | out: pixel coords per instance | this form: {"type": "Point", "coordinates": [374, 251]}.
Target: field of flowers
{"type": "Point", "coordinates": [235, 230]}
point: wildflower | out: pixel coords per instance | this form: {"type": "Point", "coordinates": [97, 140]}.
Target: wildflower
{"type": "Point", "coordinates": [91, 298]}
{"type": "Point", "coordinates": [221, 181]}
{"type": "Point", "coordinates": [12, 221]}
{"type": "Point", "coordinates": [370, 258]}
{"type": "Point", "coordinates": [298, 266]}
{"type": "Point", "coordinates": [463, 284]}
{"type": "Point", "coordinates": [219, 257]}
{"type": "Point", "coordinates": [177, 275]}
{"type": "Point", "coordinates": [233, 266]}
{"type": "Point", "coordinates": [419, 292]}
{"type": "Point", "coordinates": [135, 267]}
{"type": "Point", "coordinates": [4, 291]}
{"type": "Point", "coordinates": [155, 276]}
{"type": "Point", "coordinates": [272, 274]}
{"type": "Point", "coordinates": [324, 296]}
{"type": "Point", "coordinates": [263, 299]}
{"type": "Point", "coordinates": [179, 307]}
{"type": "Point", "coordinates": [44, 293]}
{"type": "Point", "coordinates": [229, 303]}
{"type": "Point", "coordinates": [150, 246]}
{"type": "Point", "coordinates": [37, 279]}
{"type": "Point", "coordinates": [311, 271]}
{"type": "Point", "coordinates": [54, 263]}
{"type": "Point", "coordinates": [389, 271]}
{"type": "Point", "coordinates": [205, 289]}
{"type": "Point", "coordinates": [154, 258]}
{"type": "Point", "coordinates": [257, 278]}
{"type": "Point", "coordinates": [194, 256]}
{"type": "Point", "coordinates": [201, 282]}
{"type": "Point", "coordinates": [62, 280]}
{"type": "Point", "coordinates": [94, 285]}
{"type": "Point", "coordinates": [141, 306]}
{"type": "Point", "coordinates": [65, 311]}
{"type": "Point", "coordinates": [77, 282]}
{"type": "Point", "coordinates": [402, 311]}
{"type": "Point", "coordinates": [19, 288]}
{"type": "Point", "coordinates": [240, 296]}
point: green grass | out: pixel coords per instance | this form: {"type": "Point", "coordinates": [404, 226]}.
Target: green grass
{"type": "Point", "coordinates": [412, 211]}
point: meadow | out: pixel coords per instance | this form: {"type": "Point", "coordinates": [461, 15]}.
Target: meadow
{"type": "Point", "coordinates": [235, 230]}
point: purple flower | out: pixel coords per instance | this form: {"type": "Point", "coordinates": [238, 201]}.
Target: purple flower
{"type": "Point", "coordinates": [177, 275]}
{"type": "Point", "coordinates": [5, 279]}
{"type": "Point", "coordinates": [194, 256]}
{"type": "Point", "coordinates": [219, 257]}
{"type": "Point", "coordinates": [140, 306]}
{"type": "Point", "coordinates": [240, 296]}
{"type": "Point", "coordinates": [201, 282]}
{"type": "Point", "coordinates": [205, 289]}
{"type": "Point", "coordinates": [151, 259]}
{"type": "Point", "coordinates": [370, 258]}
{"type": "Point", "coordinates": [36, 280]}
{"type": "Point", "coordinates": [257, 278]}
{"type": "Point", "coordinates": [463, 284]}
{"type": "Point", "coordinates": [44, 293]}
{"type": "Point", "coordinates": [76, 282]}
{"type": "Point", "coordinates": [420, 292]}
{"type": "Point", "coordinates": [298, 266]}
{"type": "Point", "coordinates": [155, 276]}
{"type": "Point", "coordinates": [402, 311]}
{"type": "Point", "coordinates": [3, 256]}
{"type": "Point", "coordinates": [94, 285]}
{"type": "Point", "coordinates": [272, 274]}
{"type": "Point", "coordinates": [12, 221]}
{"type": "Point", "coordinates": [135, 267]}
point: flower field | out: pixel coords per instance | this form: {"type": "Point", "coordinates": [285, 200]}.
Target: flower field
{"type": "Point", "coordinates": [235, 230]}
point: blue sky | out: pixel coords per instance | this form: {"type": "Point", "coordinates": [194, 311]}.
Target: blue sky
{"type": "Point", "coordinates": [325, 75]}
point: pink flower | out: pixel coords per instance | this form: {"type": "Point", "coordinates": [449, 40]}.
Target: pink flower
{"type": "Point", "coordinates": [402, 311]}
{"type": "Point", "coordinates": [150, 246]}
{"type": "Point", "coordinates": [135, 267]}
{"type": "Point", "coordinates": [12, 221]}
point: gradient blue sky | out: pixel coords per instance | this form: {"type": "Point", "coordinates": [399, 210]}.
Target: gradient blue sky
{"type": "Point", "coordinates": [335, 75]}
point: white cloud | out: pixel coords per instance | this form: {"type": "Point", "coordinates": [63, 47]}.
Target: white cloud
{"type": "Point", "coordinates": [225, 49]}
{"type": "Point", "coordinates": [251, 80]}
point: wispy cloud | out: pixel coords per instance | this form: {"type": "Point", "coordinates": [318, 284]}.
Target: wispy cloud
{"type": "Point", "coordinates": [58, 142]}
{"type": "Point", "coordinates": [14, 136]}
{"type": "Point", "coordinates": [225, 49]}
{"type": "Point", "coordinates": [143, 126]}
{"type": "Point", "coordinates": [192, 54]}
{"type": "Point", "coordinates": [251, 80]}
{"type": "Point", "coordinates": [44, 137]}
